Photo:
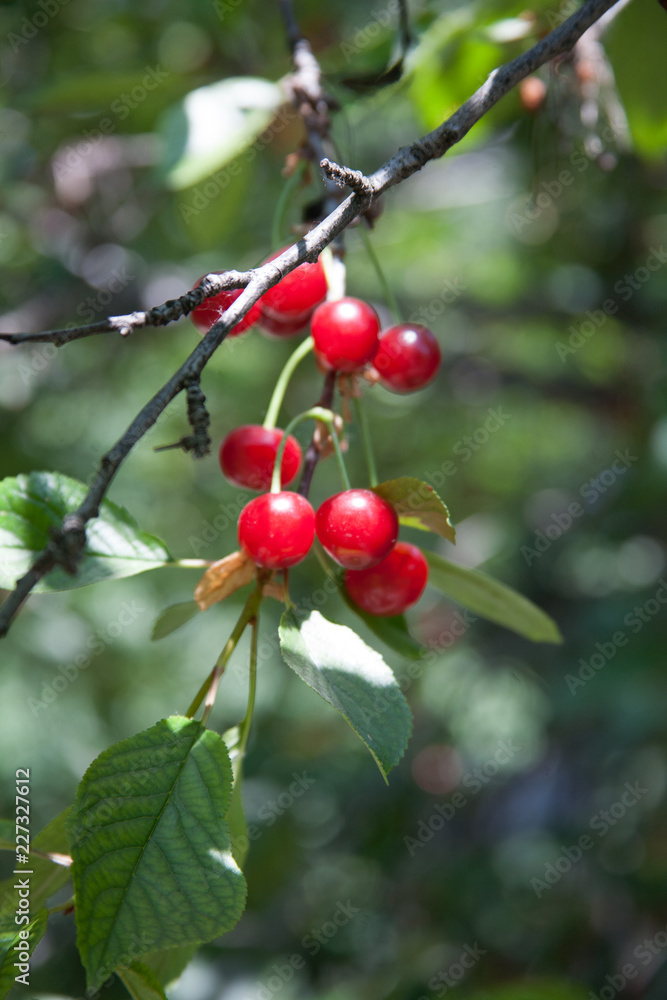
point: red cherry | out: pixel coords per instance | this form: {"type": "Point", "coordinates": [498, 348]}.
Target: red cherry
{"type": "Point", "coordinates": [357, 528]}
{"type": "Point", "coordinates": [275, 328]}
{"type": "Point", "coordinates": [297, 293]}
{"type": "Point", "coordinates": [345, 332]}
{"type": "Point", "coordinates": [276, 530]}
{"type": "Point", "coordinates": [210, 310]}
{"type": "Point", "coordinates": [392, 585]}
{"type": "Point", "coordinates": [248, 453]}
{"type": "Point", "coordinates": [408, 357]}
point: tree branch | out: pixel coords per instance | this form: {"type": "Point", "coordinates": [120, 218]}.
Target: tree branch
{"type": "Point", "coordinates": [161, 315]}
{"type": "Point", "coordinates": [67, 547]}
{"type": "Point", "coordinates": [309, 97]}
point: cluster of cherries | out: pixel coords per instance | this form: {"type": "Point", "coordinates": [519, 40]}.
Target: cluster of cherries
{"type": "Point", "coordinates": [357, 528]}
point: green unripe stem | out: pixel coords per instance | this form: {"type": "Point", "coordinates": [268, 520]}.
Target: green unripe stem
{"type": "Point", "coordinates": [209, 688]}
{"type": "Point", "coordinates": [69, 904]}
{"type": "Point", "coordinates": [366, 442]}
{"type": "Point", "coordinates": [283, 381]}
{"type": "Point", "coordinates": [244, 728]}
{"type": "Point", "coordinates": [387, 290]}
{"type": "Point", "coordinates": [315, 413]}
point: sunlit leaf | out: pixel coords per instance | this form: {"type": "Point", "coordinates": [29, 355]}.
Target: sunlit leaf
{"type": "Point", "coordinates": [213, 124]}
{"type": "Point", "coordinates": [33, 506]}
{"type": "Point", "coordinates": [351, 677]}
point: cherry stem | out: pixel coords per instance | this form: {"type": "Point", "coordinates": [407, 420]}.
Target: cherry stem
{"type": "Point", "coordinates": [283, 381]}
{"type": "Point", "coordinates": [283, 203]}
{"type": "Point", "coordinates": [244, 728]}
{"type": "Point", "coordinates": [69, 904]}
{"type": "Point", "coordinates": [339, 455]}
{"type": "Point", "coordinates": [318, 552]}
{"type": "Point", "coordinates": [314, 413]}
{"type": "Point", "coordinates": [387, 290]}
{"type": "Point", "coordinates": [366, 442]}
{"type": "Point", "coordinates": [312, 456]}
{"type": "Point", "coordinates": [209, 688]}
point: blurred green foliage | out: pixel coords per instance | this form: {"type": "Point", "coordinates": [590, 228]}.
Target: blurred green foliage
{"type": "Point", "coordinates": [536, 252]}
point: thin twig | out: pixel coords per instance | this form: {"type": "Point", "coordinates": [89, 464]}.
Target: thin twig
{"type": "Point", "coordinates": [313, 453]}
{"type": "Point", "coordinates": [160, 315]}
{"type": "Point", "coordinates": [68, 545]}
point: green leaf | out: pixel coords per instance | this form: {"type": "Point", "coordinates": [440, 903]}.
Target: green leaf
{"type": "Point", "coordinates": [417, 505]}
{"type": "Point", "coordinates": [34, 505]}
{"type": "Point", "coordinates": [173, 618]}
{"type": "Point", "coordinates": [238, 829]}
{"type": "Point", "coordinates": [47, 876]}
{"type": "Point", "coordinates": [352, 677]}
{"type": "Point", "coordinates": [152, 861]}
{"type": "Point", "coordinates": [491, 599]}
{"type": "Point", "coordinates": [213, 124]}
{"type": "Point", "coordinates": [11, 935]}
{"type": "Point", "coordinates": [7, 834]}
{"type": "Point", "coordinates": [236, 821]}
{"type": "Point", "coordinates": [642, 83]}
{"type": "Point", "coordinates": [101, 93]}
{"type": "Point", "coordinates": [392, 630]}
{"type": "Point", "coordinates": [141, 982]}
{"type": "Point", "coordinates": [168, 965]}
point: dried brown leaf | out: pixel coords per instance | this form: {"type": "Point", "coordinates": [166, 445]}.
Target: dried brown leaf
{"type": "Point", "coordinates": [223, 578]}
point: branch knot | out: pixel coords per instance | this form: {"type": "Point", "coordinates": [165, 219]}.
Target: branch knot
{"type": "Point", "coordinates": [354, 179]}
